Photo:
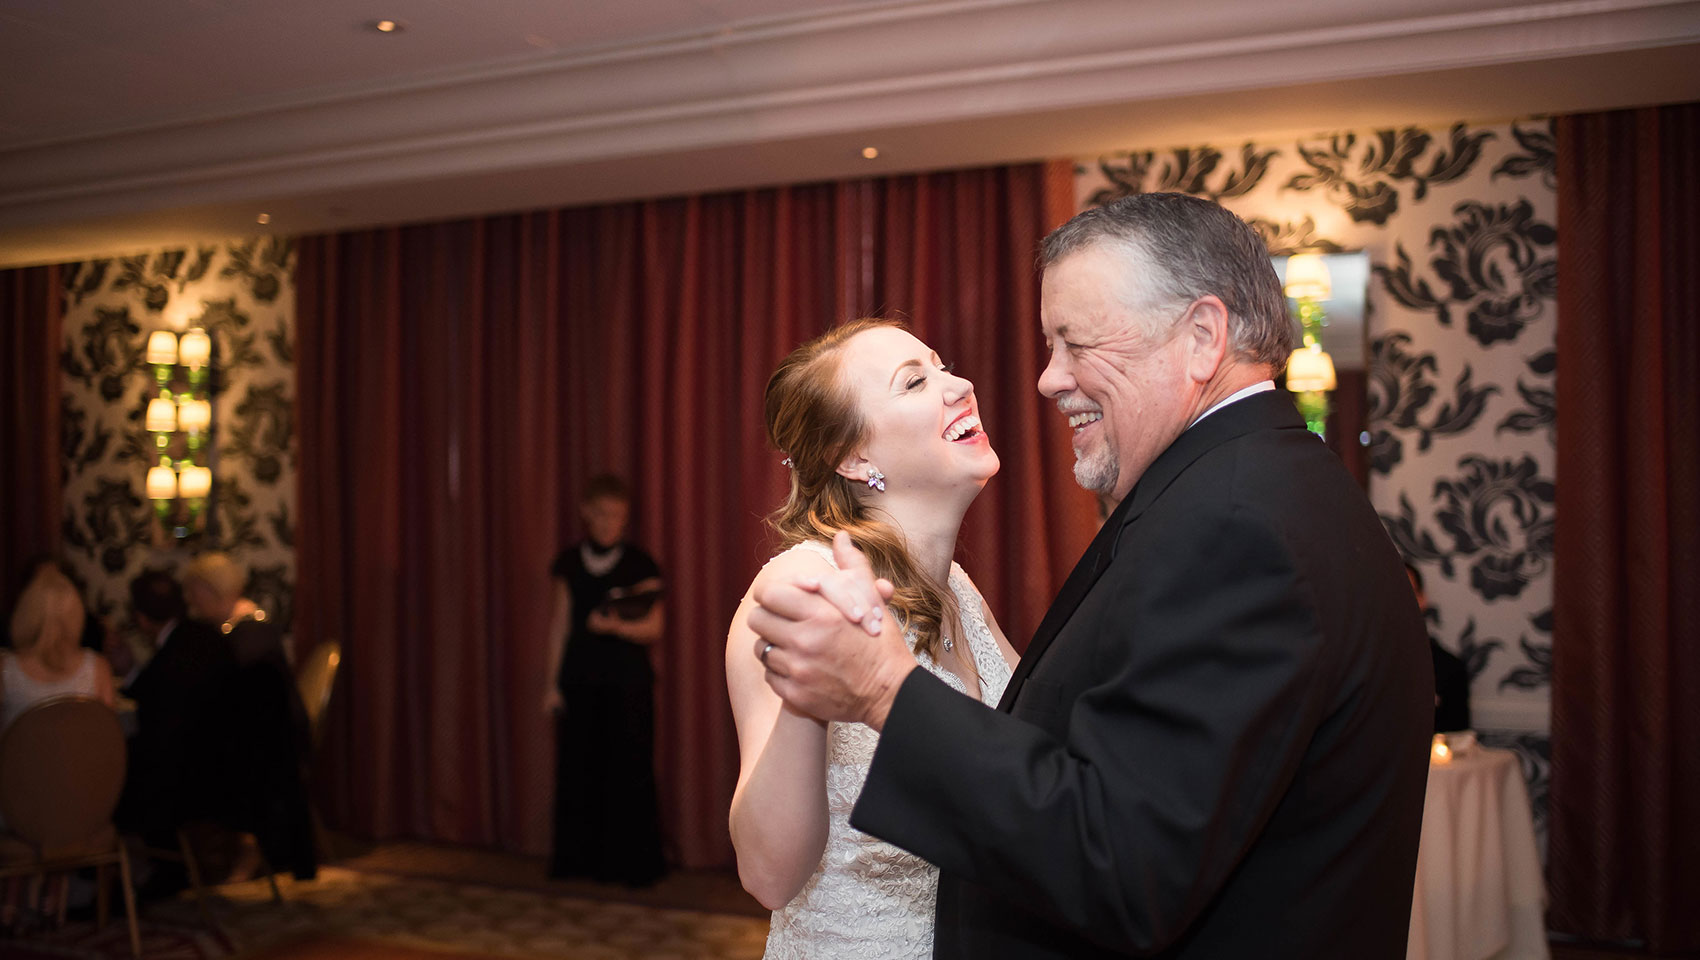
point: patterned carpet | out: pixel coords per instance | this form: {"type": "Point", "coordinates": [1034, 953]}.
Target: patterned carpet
{"type": "Point", "coordinates": [160, 941]}
{"type": "Point", "coordinates": [347, 913]}
{"type": "Point", "coordinates": [362, 915]}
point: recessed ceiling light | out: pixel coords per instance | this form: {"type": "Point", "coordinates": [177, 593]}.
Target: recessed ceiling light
{"type": "Point", "coordinates": [871, 153]}
{"type": "Point", "coordinates": [263, 218]}
{"type": "Point", "coordinates": [386, 26]}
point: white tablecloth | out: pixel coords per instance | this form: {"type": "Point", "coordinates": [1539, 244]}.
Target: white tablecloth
{"type": "Point", "coordinates": [1479, 892]}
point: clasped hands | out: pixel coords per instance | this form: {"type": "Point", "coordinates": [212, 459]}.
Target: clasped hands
{"type": "Point", "coordinates": [830, 648]}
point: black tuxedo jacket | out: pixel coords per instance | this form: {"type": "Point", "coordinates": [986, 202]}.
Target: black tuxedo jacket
{"type": "Point", "coordinates": [174, 691]}
{"type": "Point", "coordinates": [176, 751]}
{"type": "Point", "coordinates": [1216, 745]}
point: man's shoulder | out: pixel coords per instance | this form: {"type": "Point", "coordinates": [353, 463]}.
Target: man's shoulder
{"type": "Point", "coordinates": [1273, 469]}
{"type": "Point", "coordinates": [1250, 470]}
{"type": "Point", "coordinates": [1264, 486]}
{"type": "Point", "coordinates": [193, 634]}
{"type": "Point", "coordinates": [192, 648]}
{"type": "Point", "coordinates": [254, 633]}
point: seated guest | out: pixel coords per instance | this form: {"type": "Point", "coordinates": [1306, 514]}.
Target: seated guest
{"type": "Point", "coordinates": [173, 772]}
{"type": "Point", "coordinates": [96, 635]}
{"type": "Point", "coordinates": [267, 740]}
{"type": "Point", "coordinates": [1451, 676]}
{"type": "Point", "coordinates": [46, 660]}
{"type": "Point", "coordinates": [212, 591]}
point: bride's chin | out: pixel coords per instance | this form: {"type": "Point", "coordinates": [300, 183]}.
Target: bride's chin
{"type": "Point", "coordinates": [968, 479]}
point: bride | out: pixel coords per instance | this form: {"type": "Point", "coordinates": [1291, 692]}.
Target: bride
{"type": "Point", "coordinates": [884, 443]}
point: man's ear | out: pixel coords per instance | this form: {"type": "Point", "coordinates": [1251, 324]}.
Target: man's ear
{"type": "Point", "coordinates": [1206, 326]}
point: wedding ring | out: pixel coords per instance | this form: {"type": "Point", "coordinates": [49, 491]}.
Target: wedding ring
{"type": "Point", "coordinates": [763, 655]}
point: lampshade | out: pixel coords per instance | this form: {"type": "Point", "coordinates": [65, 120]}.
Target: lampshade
{"type": "Point", "coordinates": [194, 415]}
{"type": "Point", "coordinates": [195, 348]}
{"type": "Point", "coordinates": [162, 347]}
{"type": "Point", "coordinates": [162, 483]}
{"type": "Point", "coordinates": [1307, 276]}
{"type": "Point", "coordinates": [1310, 369]}
{"type": "Point", "coordinates": [195, 483]}
{"type": "Point", "coordinates": [162, 415]}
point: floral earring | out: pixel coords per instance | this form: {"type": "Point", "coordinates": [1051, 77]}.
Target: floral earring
{"type": "Point", "coordinates": [876, 480]}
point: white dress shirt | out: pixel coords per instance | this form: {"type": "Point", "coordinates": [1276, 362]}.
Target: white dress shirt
{"type": "Point", "coordinates": [1259, 387]}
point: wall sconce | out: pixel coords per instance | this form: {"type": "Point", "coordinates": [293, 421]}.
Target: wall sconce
{"type": "Point", "coordinates": [181, 422]}
{"type": "Point", "coordinates": [1310, 370]}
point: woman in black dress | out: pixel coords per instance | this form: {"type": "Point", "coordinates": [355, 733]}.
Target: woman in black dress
{"type": "Point", "coordinates": [607, 614]}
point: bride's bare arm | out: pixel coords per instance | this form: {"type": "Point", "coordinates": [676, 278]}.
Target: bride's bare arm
{"type": "Point", "coordinates": [779, 816]}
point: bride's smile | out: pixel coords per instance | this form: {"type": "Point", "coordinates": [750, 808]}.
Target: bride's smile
{"type": "Point", "coordinates": [924, 426]}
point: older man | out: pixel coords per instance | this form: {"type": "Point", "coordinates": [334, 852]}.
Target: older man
{"type": "Point", "coordinates": [1215, 745]}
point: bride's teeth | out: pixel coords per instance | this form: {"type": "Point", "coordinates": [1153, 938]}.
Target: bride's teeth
{"type": "Point", "coordinates": [956, 430]}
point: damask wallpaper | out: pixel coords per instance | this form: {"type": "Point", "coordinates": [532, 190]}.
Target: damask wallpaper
{"type": "Point", "coordinates": [242, 292]}
{"type": "Point", "coordinates": [1459, 226]}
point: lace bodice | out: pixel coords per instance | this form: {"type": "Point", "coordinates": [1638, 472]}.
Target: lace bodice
{"type": "Point", "coordinates": [869, 900]}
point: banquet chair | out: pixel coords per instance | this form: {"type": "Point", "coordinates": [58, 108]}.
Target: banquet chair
{"type": "Point", "coordinates": [61, 770]}
{"type": "Point", "coordinates": [316, 679]}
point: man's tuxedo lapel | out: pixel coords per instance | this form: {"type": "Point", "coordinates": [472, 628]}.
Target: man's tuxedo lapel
{"type": "Point", "coordinates": [1085, 573]}
{"type": "Point", "coordinates": [1267, 410]}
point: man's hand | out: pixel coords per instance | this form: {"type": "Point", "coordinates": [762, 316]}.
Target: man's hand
{"type": "Point", "coordinates": [828, 646]}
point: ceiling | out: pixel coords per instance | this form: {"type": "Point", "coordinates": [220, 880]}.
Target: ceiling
{"type": "Point", "coordinates": [126, 126]}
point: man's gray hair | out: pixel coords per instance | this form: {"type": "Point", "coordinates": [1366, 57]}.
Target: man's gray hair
{"type": "Point", "coordinates": [1179, 248]}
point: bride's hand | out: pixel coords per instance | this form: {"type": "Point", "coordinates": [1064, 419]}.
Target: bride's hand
{"type": "Point", "coordinates": [853, 588]}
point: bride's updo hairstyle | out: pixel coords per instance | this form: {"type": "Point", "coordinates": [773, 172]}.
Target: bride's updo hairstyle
{"type": "Point", "coordinates": [813, 419]}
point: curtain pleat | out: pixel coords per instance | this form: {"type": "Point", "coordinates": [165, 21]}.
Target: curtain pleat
{"type": "Point", "coordinates": [32, 302]}
{"type": "Point", "coordinates": [1626, 645]}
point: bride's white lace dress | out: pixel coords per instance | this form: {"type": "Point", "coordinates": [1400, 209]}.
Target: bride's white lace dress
{"type": "Point", "coordinates": [869, 900]}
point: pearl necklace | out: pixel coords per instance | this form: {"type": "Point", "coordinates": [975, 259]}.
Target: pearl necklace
{"type": "Point", "coordinates": [598, 563]}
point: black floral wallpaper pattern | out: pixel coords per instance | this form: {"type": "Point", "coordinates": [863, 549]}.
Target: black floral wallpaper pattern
{"type": "Point", "coordinates": [1365, 174]}
{"type": "Point", "coordinates": [242, 293]}
{"type": "Point", "coordinates": [1459, 225]}
{"type": "Point", "coordinates": [1498, 266]}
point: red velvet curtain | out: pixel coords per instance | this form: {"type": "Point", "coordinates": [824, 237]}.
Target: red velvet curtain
{"type": "Point", "coordinates": [1625, 800]}
{"type": "Point", "coordinates": [31, 305]}
{"type": "Point", "coordinates": [459, 381]}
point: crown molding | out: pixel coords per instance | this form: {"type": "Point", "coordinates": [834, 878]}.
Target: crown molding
{"type": "Point", "coordinates": [789, 77]}
{"type": "Point", "coordinates": [653, 48]}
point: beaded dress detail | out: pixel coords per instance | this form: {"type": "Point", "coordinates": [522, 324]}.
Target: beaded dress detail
{"type": "Point", "coordinates": [869, 900]}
